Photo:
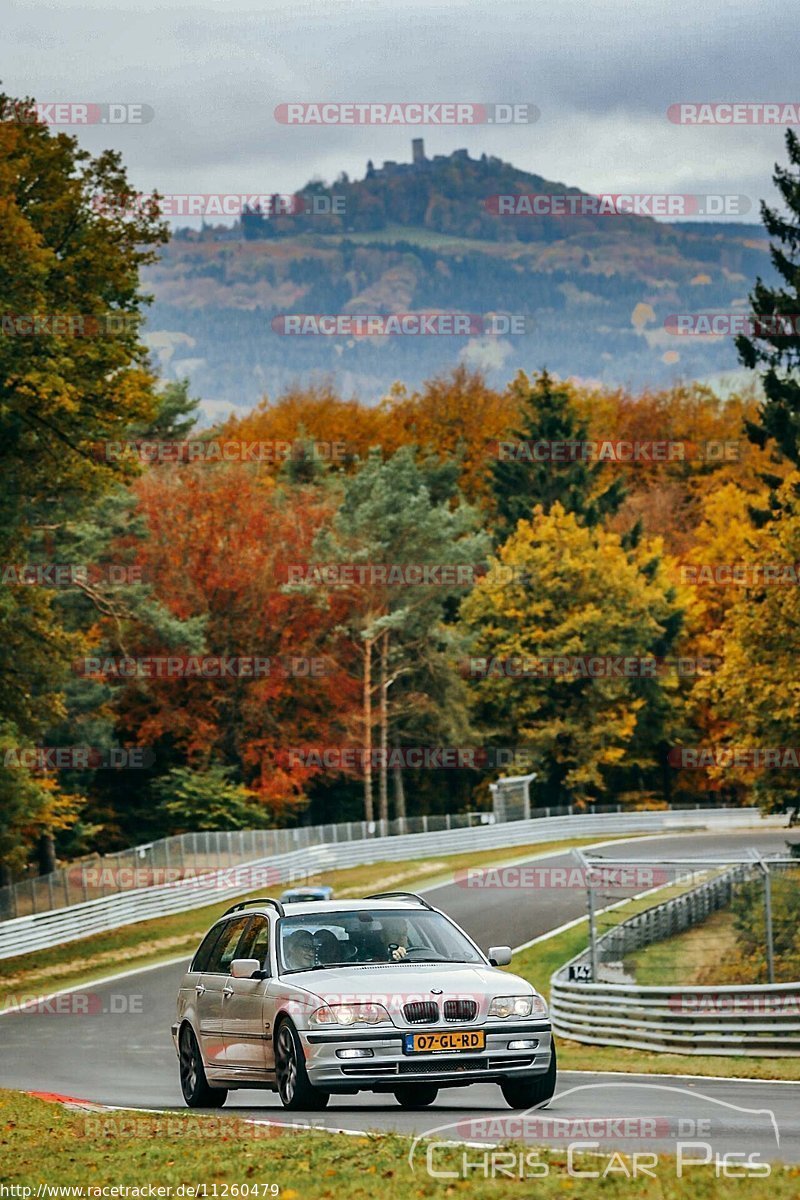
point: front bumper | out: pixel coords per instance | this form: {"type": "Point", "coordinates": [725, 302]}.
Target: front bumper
{"type": "Point", "coordinates": [389, 1066]}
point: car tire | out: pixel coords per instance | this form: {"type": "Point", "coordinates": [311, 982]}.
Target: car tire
{"type": "Point", "coordinates": [412, 1095]}
{"type": "Point", "coordinates": [534, 1092]}
{"type": "Point", "coordinates": [296, 1091]}
{"type": "Point", "coordinates": [197, 1092]}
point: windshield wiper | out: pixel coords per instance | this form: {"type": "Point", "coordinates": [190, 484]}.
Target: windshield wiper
{"type": "Point", "coordinates": [316, 967]}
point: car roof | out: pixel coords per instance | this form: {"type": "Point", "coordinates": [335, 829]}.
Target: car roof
{"type": "Point", "coordinates": [315, 907]}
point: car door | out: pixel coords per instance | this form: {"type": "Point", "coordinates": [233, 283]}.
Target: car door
{"type": "Point", "coordinates": [210, 991]}
{"type": "Point", "coordinates": [245, 1030]}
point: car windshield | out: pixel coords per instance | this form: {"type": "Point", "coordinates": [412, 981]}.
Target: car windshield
{"type": "Point", "coordinates": [335, 939]}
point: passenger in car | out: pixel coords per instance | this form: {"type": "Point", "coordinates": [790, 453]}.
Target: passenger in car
{"type": "Point", "coordinates": [298, 950]}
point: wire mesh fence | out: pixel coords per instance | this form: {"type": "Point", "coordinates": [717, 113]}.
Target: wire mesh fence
{"type": "Point", "coordinates": [693, 923]}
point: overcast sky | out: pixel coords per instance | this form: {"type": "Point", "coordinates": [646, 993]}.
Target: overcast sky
{"type": "Point", "coordinates": [602, 74]}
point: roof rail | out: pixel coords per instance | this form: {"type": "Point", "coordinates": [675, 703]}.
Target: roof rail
{"type": "Point", "coordinates": [405, 895]}
{"type": "Point", "coordinates": [276, 904]}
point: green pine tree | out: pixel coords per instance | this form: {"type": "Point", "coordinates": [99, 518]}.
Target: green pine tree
{"type": "Point", "coordinates": [520, 483]}
{"type": "Point", "coordinates": [776, 353]}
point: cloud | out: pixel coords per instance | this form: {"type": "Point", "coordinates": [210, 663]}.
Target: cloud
{"type": "Point", "coordinates": [602, 76]}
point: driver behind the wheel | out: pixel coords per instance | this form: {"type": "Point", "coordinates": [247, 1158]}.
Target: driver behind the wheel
{"type": "Point", "coordinates": [298, 950]}
{"type": "Point", "coordinates": [395, 933]}
{"type": "Point", "coordinates": [326, 947]}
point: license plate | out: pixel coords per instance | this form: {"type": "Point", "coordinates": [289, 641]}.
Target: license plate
{"type": "Point", "coordinates": [446, 1042]}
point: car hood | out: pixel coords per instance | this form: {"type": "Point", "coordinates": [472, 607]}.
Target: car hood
{"type": "Point", "coordinates": [395, 984]}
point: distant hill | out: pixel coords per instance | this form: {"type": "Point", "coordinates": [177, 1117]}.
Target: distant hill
{"type": "Point", "coordinates": [422, 237]}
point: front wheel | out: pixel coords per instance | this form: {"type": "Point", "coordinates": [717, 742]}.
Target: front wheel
{"type": "Point", "coordinates": [415, 1096]}
{"type": "Point", "coordinates": [294, 1087]}
{"type": "Point", "coordinates": [195, 1087]}
{"type": "Point", "coordinates": [535, 1091]}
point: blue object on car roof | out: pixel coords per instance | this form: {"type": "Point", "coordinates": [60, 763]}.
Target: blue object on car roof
{"type": "Point", "coordinates": [304, 895]}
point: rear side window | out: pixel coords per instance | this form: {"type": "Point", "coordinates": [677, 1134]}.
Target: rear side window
{"type": "Point", "coordinates": [200, 960]}
{"type": "Point", "coordinates": [224, 951]}
{"type": "Point", "coordinates": [255, 943]}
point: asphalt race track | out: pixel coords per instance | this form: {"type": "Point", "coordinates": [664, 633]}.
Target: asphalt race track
{"type": "Point", "coordinates": [123, 1055]}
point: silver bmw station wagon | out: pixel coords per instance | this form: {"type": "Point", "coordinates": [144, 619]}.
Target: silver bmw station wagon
{"type": "Point", "coordinates": [385, 994]}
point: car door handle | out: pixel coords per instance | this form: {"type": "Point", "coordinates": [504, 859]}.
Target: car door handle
{"type": "Point", "coordinates": [200, 988]}
{"type": "Point", "coordinates": [228, 989]}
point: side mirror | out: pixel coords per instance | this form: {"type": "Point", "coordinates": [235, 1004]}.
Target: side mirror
{"type": "Point", "coordinates": [499, 956]}
{"type": "Point", "coordinates": [245, 968]}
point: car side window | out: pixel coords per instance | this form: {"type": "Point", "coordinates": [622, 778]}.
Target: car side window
{"type": "Point", "coordinates": [255, 943]}
{"type": "Point", "coordinates": [205, 949]}
{"type": "Point", "coordinates": [224, 951]}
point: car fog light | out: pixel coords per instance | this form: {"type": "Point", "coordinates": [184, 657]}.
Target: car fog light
{"type": "Point", "coordinates": [524, 1044]}
{"type": "Point", "coordinates": [360, 1052]}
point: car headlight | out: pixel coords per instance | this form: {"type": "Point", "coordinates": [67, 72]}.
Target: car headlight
{"type": "Point", "coordinates": [349, 1014]}
{"type": "Point", "coordinates": [517, 1006]}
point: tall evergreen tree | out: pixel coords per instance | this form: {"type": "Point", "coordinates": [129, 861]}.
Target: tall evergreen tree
{"type": "Point", "coordinates": [776, 352]}
{"type": "Point", "coordinates": [527, 477]}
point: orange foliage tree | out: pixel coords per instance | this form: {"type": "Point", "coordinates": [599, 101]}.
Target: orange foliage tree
{"type": "Point", "coordinates": [217, 547]}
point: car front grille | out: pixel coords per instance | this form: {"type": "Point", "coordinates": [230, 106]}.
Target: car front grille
{"type": "Point", "coordinates": [442, 1066]}
{"type": "Point", "coordinates": [460, 1010]}
{"type": "Point", "coordinates": [421, 1012]}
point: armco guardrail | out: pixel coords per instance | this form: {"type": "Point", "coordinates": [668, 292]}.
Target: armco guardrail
{"type": "Point", "coordinates": [740, 1019]}
{"type": "Point", "coordinates": [40, 930]}
{"type": "Point", "coordinates": [762, 1020]}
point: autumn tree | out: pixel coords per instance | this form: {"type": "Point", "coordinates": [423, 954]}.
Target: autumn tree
{"type": "Point", "coordinates": [219, 543]}
{"type": "Point", "coordinates": [755, 693]}
{"type": "Point", "coordinates": [73, 373]}
{"type": "Point", "coordinates": [561, 588]}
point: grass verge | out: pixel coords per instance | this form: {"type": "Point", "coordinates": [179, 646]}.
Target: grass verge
{"type": "Point", "coordinates": [690, 957]}
{"type": "Point", "coordinates": [44, 1144]}
{"type": "Point", "coordinates": [150, 942]}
